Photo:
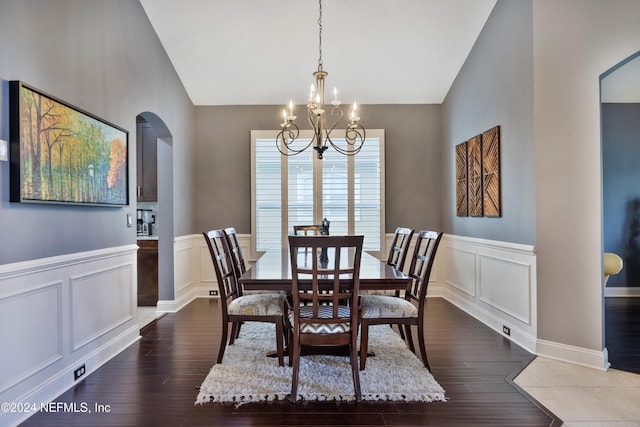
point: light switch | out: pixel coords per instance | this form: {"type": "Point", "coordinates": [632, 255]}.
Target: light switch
{"type": "Point", "coordinates": [4, 150]}
{"type": "Point", "coordinates": [129, 220]}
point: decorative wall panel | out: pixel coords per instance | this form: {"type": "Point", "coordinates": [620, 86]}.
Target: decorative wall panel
{"type": "Point", "coordinates": [474, 162]}
{"type": "Point", "coordinates": [101, 300]}
{"type": "Point", "coordinates": [478, 175]}
{"type": "Point", "coordinates": [462, 184]}
{"type": "Point", "coordinates": [31, 328]}
{"type": "Point", "coordinates": [491, 171]}
{"type": "Point", "coordinates": [460, 268]}
{"type": "Point", "coordinates": [506, 285]}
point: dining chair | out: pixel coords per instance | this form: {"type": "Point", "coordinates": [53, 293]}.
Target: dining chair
{"type": "Point", "coordinates": [407, 310]}
{"type": "Point", "coordinates": [306, 230]}
{"type": "Point", "coordinates": [328, 318]}
{"type": "Point", "coordinates": [236, 307]}
{"type": "Point", "coordinates": [239, 264]}
{"type": "Point", "coordinates": [239, 267]}
{"type": "Point", "coordinates": [400, 247]}
{"type": "Point", "coordinates": [398, 255]}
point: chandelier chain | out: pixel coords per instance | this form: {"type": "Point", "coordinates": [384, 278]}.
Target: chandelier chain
{"type": "Point", "coordinates": [320, 37]}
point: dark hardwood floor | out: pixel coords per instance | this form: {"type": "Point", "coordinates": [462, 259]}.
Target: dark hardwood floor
{"type": "Point", "coordinates": [154, 382]}
{"type": "Point", "coordinates": [622, 332]}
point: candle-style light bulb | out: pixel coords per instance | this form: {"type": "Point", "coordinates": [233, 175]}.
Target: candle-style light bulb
{"type": "Point", "coordinates": [311, 91]}
{"type": "Point", "coordinates": [318, 98]}
{"type": "Point", "coordinates": [335, 94]}
{"type": "Point", "coordinates": [284, 116]}
{"type": "Point", "coordinates": [291, 107]}
{"type": "Point", "coordinates": [354, 117]}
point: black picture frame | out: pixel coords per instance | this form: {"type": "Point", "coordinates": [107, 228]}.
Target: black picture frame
{"type": "Point", "coordinates": [62, 154]}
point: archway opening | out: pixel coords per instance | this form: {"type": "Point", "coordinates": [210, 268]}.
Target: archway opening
{"type": "Point", "coordinates": [159, 200]}
{"type": "Point", "coordinates": [620, 139]}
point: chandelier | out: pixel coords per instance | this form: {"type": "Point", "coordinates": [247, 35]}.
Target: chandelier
{"type": "Point", "coordinates": [317, 115]}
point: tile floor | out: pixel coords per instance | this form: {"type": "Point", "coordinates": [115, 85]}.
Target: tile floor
{"type": "Point", "coordinates": [584, 397]}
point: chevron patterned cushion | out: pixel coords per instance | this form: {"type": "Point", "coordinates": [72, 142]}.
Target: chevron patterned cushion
{"type": "Point", "coordinates": [324, 312]}
{"type": "Point", "coordinates": [382, 306]}
{"type": "Point", "coordinates": [257, 305]}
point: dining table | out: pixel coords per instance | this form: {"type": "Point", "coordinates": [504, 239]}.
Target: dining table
{"type": "Point", "coordinates": [272, 272]}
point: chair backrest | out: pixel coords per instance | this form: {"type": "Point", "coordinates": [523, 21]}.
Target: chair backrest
{"type": "Point", "coordinates": [306, 230]}
{"type": "Point", "coordinates": [400, 247]}
{"type": "Point", "coordinates": [223, 266]}
{"type": "Point", "coordinates": [236, 251]}
{"type": "Point", "coordinates": [421, 264]}
{"type": "Point", "coordinates": [318, 284]}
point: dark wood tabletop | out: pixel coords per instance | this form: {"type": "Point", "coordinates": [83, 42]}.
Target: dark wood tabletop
{"type": "Point", "coordinates": [272, 271]}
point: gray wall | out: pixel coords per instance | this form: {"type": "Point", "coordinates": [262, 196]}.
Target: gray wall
{"type": "Point", "coordinates": [535, 70]}
{"type": "Point", "coordinates": [620, 178]}
{"type": "Point", "coordinates": [495, 87]}
{"type": "Point", "coordinates": [222, 181]}
{"type": "Point", "coordinates": [575, 42]}
{"type": "Point", "coordinates": [104, 57]}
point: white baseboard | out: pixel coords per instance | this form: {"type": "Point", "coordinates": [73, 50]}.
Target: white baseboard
{"type": "Point", "coordinates": [621, 292]}
{"type": "Point", "coordinates": [173, 306]}
{"type": "Point", "coordinates": [576, 355]}
{"type": "Point", "coordinates": [516, 334]}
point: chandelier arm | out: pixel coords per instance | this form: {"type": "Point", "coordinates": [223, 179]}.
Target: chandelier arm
{"type": "Point", "coordinates": [355, 135]}
{"type": "Point", "coordinates": [335, 111]}
{"type": "Point", "coordinates": [287, 136]}
{"type": "Point", "coordinates": [314, 122]}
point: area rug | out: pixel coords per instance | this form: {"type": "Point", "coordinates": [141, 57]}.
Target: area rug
{"type": "Point", "coordinates": [247, 375]}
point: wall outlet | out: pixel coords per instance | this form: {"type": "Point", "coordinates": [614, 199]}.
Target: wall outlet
{"type": "Point", "coordinates": [506, 330]}
{"type": "Point", "coordinates": [213, 293]}
{"type": "Point", "coordinates": [79, 372]}
{"type": "Point", "coordinates": [4, 150]}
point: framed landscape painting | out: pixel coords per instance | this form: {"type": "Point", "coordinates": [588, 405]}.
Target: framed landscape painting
{"type": "Point", "coordinates": [61, 154]}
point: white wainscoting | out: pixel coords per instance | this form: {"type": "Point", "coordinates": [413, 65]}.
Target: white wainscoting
{"type": "Point", "coordinates": [186, 282]}
{"type": "Point", "coordinates": [493, 281]}
{"type": "Point", "coordinates": [59, 313]}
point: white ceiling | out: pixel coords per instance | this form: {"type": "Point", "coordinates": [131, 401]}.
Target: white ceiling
{"type": "Point", "coordinates": [258, 52]}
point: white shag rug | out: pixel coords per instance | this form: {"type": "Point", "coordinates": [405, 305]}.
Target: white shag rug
{"type": "Point", "coordinates": [247, 375]}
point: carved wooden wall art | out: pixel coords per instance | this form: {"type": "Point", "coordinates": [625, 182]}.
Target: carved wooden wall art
{"type": "Point", "coordinates": [491, 171]}
{"type": "Point", "coordinates": [462, 196]}
{"type": "Point", "coordinates": [478, 175]}
{"type": "Point", "coordinates": [474, 150]}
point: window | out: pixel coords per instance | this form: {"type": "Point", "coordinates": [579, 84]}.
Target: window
{"type": "Point", "coordinates": [298, 190]}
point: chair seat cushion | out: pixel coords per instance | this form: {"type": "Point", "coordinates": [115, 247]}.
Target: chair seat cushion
{"type": "Point", "coordinates": [257, 305]}
{"type": "Point", "coordinates": [382, 306]}
{"type": "Point", "coordinates": [324, 312]}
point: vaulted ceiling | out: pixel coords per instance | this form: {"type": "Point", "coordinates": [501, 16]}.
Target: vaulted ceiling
{"type": "Point", "coordinates": [263, 52]}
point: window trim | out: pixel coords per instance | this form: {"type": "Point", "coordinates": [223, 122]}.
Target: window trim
{"type": "Point", "coordinates": [317, 168]}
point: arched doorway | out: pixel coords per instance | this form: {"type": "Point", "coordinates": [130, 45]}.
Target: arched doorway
{"type": "Point", "coordinates": [164, 221]}
{"type": "Point", "coordinates": [620, 138]}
